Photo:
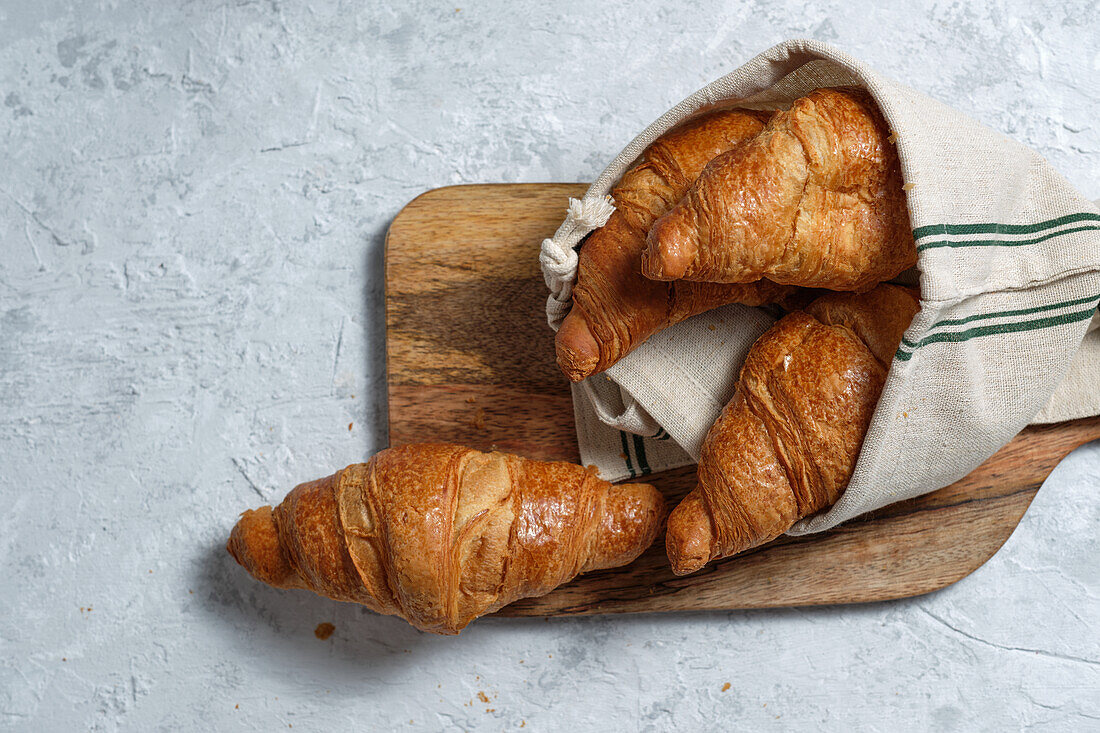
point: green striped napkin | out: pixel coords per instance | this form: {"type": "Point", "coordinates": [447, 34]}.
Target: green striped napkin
{"type": "Point", "coordinates": [1007, 334]}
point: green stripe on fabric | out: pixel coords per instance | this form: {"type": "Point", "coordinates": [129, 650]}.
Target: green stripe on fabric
{"type": "Point", "coordinates": [993, 228]}
{"type": "Point", "coordinates": [1000, 314]}
{"type": "Point", "coordinates": [626, 456]}
{"type": "Point", "coordinates": [639, 451]}
{"type": "Point", "coordinates": [1002, 242]}
{"type": "Point", "coordinates": [1017, 327]}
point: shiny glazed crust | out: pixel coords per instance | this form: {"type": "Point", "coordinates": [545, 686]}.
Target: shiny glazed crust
{"type": "Point", "coordinates": [441, 534]}
{"type": "Point", "coordinates": [785, 446]}
{"type": "Point", "coordinates": [814, 200]}
{"type": "Point", "coordinates": [615, 309]}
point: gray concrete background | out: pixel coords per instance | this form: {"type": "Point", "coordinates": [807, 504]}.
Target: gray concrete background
{"type": "Point", "coordinates": [192, 203]}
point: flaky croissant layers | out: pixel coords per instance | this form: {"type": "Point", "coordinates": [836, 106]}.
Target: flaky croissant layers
{"type": "Point", "coordinates": [732, 206]}
{"type": "Point", "coordinates": [814, 200]}
{"type": "Point", "coordinates": [785, 446]}
{"type": "Point", "coordinates": [740, 206]}
{"type": "Point", "coordinates": [441, 534]}
{"type": "Point", "coordinates": [615, 308]}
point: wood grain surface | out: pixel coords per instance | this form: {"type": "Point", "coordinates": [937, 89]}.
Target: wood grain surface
{"type": "Point", "coordinates": [470, 360]}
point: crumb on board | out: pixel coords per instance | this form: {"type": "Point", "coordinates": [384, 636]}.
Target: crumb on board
{"type": "Point", "coordinates": [482, 696]}
{"type": "Point", "coordinates": [908, 187]}
{"type": "Point", "coordinates": [725, 687]}
{"type": "Point", "coordinates": [350, 424]}
{"type": "Point", "coordinates": [324, 630]}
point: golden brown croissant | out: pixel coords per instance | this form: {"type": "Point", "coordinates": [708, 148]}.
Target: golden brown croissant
{"type": "Point", "coordinates": [815, 200]}
{"type": "Point", "coordinates": [615, 308]}
{"type": "Point", "coordinates": [441, 534]}
{"type": "Point", "coordinates": [785, 446]}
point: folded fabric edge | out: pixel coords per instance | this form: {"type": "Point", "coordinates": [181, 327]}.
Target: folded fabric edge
{"type": "Point", "coordinates": [618, 455]}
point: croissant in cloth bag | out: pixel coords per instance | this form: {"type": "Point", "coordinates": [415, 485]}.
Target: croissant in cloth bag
{"type": "Point", "coordinates": [785, 446]}
{"type": "Point", "coordinates": [615, 308]}
{"type": "Point", "coordinates": [1009, 256]}
{"type": "Point", "coordinates": [815, 200]}
{"type": "Point", "coordinates": [441, 534]}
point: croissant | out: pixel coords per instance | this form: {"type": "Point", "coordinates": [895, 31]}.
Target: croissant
{"type": "Point", "coordinates": [815, 199]}
{"type": "Point", "coordinates": [785, 446]}
{"type": "Point", "coordinates": [441, 534]}
{"type": "Point", "coordinates": [615, 308]}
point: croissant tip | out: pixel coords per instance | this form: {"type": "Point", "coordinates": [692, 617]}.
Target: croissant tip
{"type": "Point", "coordinates": [574, 369]}
{"type": "Point", "coordinates": [660, 261]}
{"type": "Point", "coordinates": [254, 543]}
{"type": "Point", "coordinates": [682, 565]}
{"type": "Point", "coordinates": [689, 539]}
{"type": "Point", "coordinates": [577, 353]}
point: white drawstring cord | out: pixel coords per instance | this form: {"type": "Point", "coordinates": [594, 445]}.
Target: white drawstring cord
{"type": "Point", "coordinates": [558, 256]}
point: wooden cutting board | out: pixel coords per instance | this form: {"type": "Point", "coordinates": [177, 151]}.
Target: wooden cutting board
{"type": "Point", "coordinates": [470, 360]}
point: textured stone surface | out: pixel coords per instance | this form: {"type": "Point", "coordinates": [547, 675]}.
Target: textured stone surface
{"type": "Point", "coordinates": [192, 206]}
